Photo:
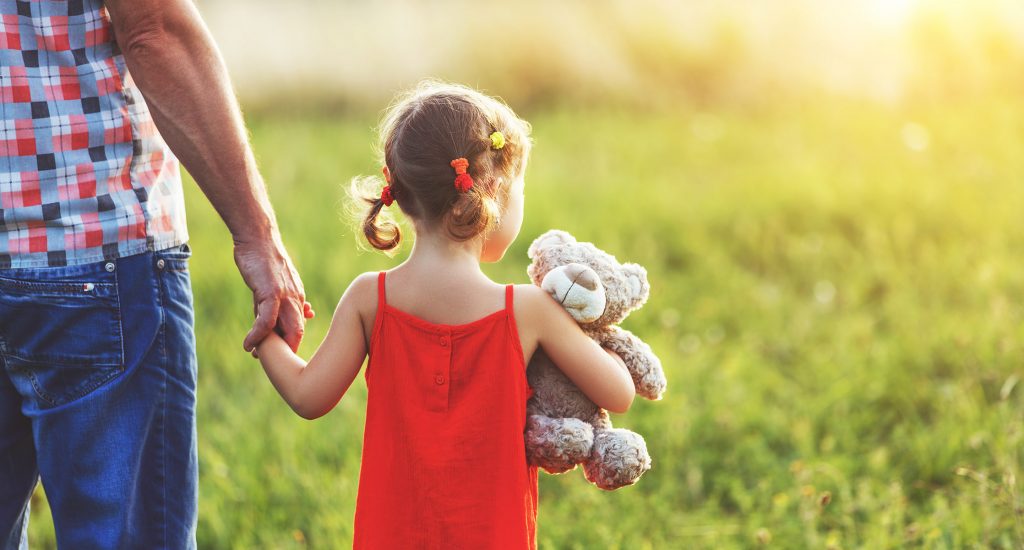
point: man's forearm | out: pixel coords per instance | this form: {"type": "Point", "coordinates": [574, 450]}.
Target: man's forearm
{"type": "Point", "coordinates": [175, 63]}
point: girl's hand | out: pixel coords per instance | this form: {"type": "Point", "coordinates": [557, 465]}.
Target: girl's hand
{"type": "Point", "coordinates": [307, 313]}
{"type": "Point", "coordinates": [315, 388]}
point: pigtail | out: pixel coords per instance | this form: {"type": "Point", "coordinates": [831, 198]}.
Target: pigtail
{"type": "Point", "coordinates": [382, 235]}
{"type": "Point", "coordinates": [378, 227]}
{"type": "Point", "coordinates": [472, 213]}
{"type": "Point", "coordinates": [474, 208]}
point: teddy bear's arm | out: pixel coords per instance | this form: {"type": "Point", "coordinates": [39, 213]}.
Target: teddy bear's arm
{"type": "Point", "coordinates": [644, 367]}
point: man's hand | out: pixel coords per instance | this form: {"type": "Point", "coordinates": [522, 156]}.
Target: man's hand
{"type": "Point", "coordinates": [279, 301]}
{"type": "Point", "coordinates": [176, 65]}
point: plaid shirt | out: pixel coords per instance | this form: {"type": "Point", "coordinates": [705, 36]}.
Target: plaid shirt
{"type": "Point", "coordinates": [84, 175]}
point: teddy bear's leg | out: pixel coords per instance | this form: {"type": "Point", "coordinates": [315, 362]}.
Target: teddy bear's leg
{"type": "Point", "coordinates": [557, 444]}
{"type": "Point", "coordinates": [619, 458]}
{"type": "Point", "coordinates": [643, 365]}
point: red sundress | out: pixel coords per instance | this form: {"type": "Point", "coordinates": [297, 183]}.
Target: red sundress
{"type": "Point", "coordinates": [444, 462]}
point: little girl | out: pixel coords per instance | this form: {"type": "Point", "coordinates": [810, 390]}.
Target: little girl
{"type": "Point", "coordinates": [444, 462]}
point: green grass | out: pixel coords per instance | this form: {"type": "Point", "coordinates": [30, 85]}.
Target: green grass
{"type": "Point", "coordinates": [841, 319]}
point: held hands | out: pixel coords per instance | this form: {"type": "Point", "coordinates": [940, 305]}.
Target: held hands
{"type": "Point", "coordinates": [279, 300]}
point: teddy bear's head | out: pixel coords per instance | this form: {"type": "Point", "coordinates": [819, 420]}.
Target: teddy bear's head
{"type": "Point", "coordinates": [592, 285]}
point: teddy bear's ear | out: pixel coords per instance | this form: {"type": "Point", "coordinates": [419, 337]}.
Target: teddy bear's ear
{"type": "Point", "coordinates": [639, 288]}
{"type": "Point", "coordinates": [553, 237]}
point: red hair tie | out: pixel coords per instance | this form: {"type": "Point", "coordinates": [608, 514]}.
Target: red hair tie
{"type": "Point", "coordinates": [385, 196]}
{"type": "Point", "coordinates": [463, 181]}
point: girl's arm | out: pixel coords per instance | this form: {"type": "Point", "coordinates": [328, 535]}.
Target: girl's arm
{"type": "Point", "coordinates": [313, 389]}
{"type": "Point", "coordinates": [599, 373]}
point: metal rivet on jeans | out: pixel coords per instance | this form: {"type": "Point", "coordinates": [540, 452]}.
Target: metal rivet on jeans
{"type": "Point", "coordinates": [160, 264]}
{"type": "Point", "coordinates": [109, 267]}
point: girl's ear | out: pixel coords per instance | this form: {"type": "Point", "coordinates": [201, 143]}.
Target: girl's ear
{"type": "Point", "coordinates": [387, 174]}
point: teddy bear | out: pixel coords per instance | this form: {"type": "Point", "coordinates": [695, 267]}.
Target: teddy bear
{"type": "Point", "coordinates": [563, 427]}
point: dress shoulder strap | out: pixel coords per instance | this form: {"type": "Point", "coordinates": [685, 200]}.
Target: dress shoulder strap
{"type": "Point", "coordinates": [381, 302]}
{"type": "Point", "coordinates": [508, 297]}
{"type": "Point", "coordinates": [382, 297]}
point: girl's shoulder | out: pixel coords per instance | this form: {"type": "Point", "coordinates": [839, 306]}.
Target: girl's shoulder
{"type": "Point", "coordinates": [362, 292]}
{"type": "Point", "coordinates": [539, 317]}
{"type": "Point", "coordinates": [529, 294]}
{"type": "Point", "coordinates": [365, 283]}
{"type": "Point", "coordinates": [532, 304]}
{"type": "Point", "coordinates": [361, 295]}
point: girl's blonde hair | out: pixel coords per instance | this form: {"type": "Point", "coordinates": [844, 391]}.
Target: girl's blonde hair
{"type": "Point", "coordinates": [421, 133]}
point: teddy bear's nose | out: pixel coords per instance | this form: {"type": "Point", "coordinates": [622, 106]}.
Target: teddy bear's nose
{"type": "Point", "coordinates": [583, 276]}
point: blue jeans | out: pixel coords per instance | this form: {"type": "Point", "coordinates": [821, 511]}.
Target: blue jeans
{"type": "Point", "coordinates": [97, 398]}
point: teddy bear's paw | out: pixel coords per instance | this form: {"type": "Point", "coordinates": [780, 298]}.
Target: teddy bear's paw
{"type": "Point", "coordinates": [651, 382]}
{"type": "Point", "coordinates": [619, 458]}
{"type": "Point", "coordinates": [643, 365]}
{"type": "Point", "coordinates": [557, 444]}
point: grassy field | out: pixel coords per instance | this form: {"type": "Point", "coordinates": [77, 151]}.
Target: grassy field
{"type": "Point", "coordinates": [836, 296]}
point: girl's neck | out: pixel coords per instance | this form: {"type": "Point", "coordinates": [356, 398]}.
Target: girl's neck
{"type": "Point", "coordinates": [437, 253]}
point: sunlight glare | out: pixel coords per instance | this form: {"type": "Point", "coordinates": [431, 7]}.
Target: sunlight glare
{"type": "Point", "coordinates": [892, 12]}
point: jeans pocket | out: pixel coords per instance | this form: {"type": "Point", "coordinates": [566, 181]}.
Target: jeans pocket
{"type": "Point", "coordinates": [60, 340]}
{"type": "Point", "coordinates": [175, 258]}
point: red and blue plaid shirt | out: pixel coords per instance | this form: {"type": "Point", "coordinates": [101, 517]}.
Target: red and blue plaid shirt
{"type": "Point", "coordinates": [84, 175]}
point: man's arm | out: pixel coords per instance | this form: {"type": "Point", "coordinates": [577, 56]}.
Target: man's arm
{"type": "Point", "coordinates": [175, 63]}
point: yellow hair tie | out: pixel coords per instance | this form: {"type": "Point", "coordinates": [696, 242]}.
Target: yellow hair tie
{"type": "Point", "coordinates": [497, 140]}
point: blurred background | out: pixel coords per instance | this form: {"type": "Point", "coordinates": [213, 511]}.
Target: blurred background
{"type": "Point", "coordinates": [827, 195]}
{"type": "Point", "coordinates": [661, 52]}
